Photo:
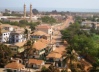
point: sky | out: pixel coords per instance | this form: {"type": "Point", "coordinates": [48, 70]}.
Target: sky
{"type": "Point", "coordinates": [81, 4]}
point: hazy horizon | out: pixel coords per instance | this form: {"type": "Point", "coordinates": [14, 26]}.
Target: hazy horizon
{"type": "Point", "coordinates": [49, 5]}
{"type": "Point", "coordinates": [50, 9]}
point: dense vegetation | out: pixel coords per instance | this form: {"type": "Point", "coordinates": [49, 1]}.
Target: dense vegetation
{"type": "Point", "coordinates": [5, 55]}
{"type": "Point", "coordinates": [84, 42]}
{"type": "Point", "coordinates": [49, 20]}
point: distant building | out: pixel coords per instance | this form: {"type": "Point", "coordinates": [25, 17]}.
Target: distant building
{"type": "Point", "coordinates": [1, 14]}
{"type": "Point", "coordinates": [8, 11]}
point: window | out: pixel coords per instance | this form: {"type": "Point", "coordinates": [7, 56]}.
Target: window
{"type": "Point", "coordinates": [16, 40]}
{"type": "Point", "coordinates": [4, 34]}
{"type": "Point", "coordinates": [16, 36]}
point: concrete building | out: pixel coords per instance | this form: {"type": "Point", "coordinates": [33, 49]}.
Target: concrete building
{"type": "Point", "coordinates": [16, 37]}
{"type": "Point", "coordinates": [5, 31]}
{"type": "Point", "coordinates": [4, 37]}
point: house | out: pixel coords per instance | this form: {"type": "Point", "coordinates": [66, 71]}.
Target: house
{"type": "Point", "coordinates": [56, 56]}
{"type": "Point", "coordinates": [17, 36]}
{"type": "Point", "coordinates": [45, 28]}
{"type": "Point", "coordinates": [15, 67]}
{"type": "Point", "coordinates": [40, 48]}
{"type": "Point", "coordinates": [4, 36]}
{"type": "Point", "coordinates": [39, 34]}
{"type": "Point", "coordinates": [7, 27]}
{"type": "Point", "coordinates": [17, 47]}
{"type": "Point", "coordinates": [51, 44]}
{"type": "Point", "coordinates": [34, 63]}
{"type": "Point", "coordinates": [5, 31]}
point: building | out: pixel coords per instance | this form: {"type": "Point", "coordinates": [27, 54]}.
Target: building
{"type": "Point", "coordinates": [4, 36]}
{"type": "Point", "coordinates": [39, 34]}
{"type": "Point", "coordinates": [7, 27]}
{"type": "Point", "coordinates": [56, 56]}
{"type": "Point", "coordinates": [15, 67]}
{"type": "Point", "coordinates": [90, 24]}
{"type": "Point", "coordinates": [17, 36]}
{"type": "Point", "coordinates": [36, 64]}
{"type": "Point", "coordinates": [45, 28]}
{"type": "Point", "coordinates": [17, 47]}
{"type": "Point", "coordinates": [5, 32]}
{"type": "Point", "coordinates": [40, 48]}
{"type": "Point", "coordinates": [8, 11]}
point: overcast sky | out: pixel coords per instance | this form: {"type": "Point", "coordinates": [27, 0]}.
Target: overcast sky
{"type": "Point", "coordinates": [84, 4]}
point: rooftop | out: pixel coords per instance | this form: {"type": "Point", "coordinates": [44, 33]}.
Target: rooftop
{"type": "Point", "coordinates": [43, 26]}
{"type": "Point", "coordinates": [40, 33]}
{"type": "Point", "coordinates": [54, 55]}
{"type": "Point", "coordinates": [35, 61]}
{"type": "Point", "coordinates": [39, 45]}
{"type": "Point", "coordinates": [14, 65]}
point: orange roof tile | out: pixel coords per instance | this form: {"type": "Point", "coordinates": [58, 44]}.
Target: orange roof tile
{"type": "Point", "coordinates": [35, 61]}
{"type": "Point", "coordinates": [44, 41]}
{"type": "Point", "coordinates": [14, 65]}
{"type": "Point", "coordinates": [43, 26]}
{"type": "Point", "coordinates": [40, 33]}
{"type": "Point", "coordinates": [54, 55]}
{"type": "Point", "coordinates": [39, 45]}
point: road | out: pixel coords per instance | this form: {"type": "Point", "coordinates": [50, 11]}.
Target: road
{"type": "Point", "coordinates": [56, 33]}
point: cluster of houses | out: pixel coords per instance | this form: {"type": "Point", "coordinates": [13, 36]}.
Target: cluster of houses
{"type": "Point", "coordinates": [46, 50]}
{"type": "Point", "coordinates": [44, 44]}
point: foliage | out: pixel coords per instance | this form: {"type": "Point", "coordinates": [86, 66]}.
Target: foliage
{"type": "Point", "coordinates": [47, 19]}
{"type": "Point", "coordinates": [13, 14]}
{"type": "Point", "coordinates": [84, 42]}
{"type": "Point", "coordinates": [64, 70]}
{"type": "Point", "coordinates": [35, 11]}
{"type": "Point", "coordinates": [5, 55]}
{"type": "Point", "coordinates": [44, 69]}
{"type": "Point", "coordinates": [51, 68]}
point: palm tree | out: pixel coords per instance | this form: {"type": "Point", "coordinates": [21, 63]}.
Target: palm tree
{"type": "Point", "coordinates": [26, 32]}
{"type": "Point", "coordinates": [72, 61]}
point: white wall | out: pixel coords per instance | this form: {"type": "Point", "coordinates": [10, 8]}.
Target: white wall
{"type": "Point", "coordinates": [5, 37]}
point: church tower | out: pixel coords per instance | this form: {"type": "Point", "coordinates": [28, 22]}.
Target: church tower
{"type": "Point", "coordinates": [30, 11]}
{"type": "Point", "coordinates": [24, 11]}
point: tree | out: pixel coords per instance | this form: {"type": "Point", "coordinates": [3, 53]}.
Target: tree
{"type": "Point", "coordinates": [47, 19]}
{"type": "Point", "coordinates": [51, 68]}
{"type": "Point", "coordinates": [5, 54]}
{"type": "Point", "coordinates": [44, 69]}
{"type": "Point", "coordinates": [33, 24]}
{"type": "Point", "coordinates": [35, 11]}
{"type": "Point", "coordinates": [54, 12]}
{"type": "Point", "coordinates": [23, 22]}
{"type": "Point", "coordinates": [26, 32]}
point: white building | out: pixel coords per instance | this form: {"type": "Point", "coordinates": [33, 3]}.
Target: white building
{"type": "Point", "coordinates": [17, 37]}
{"type": "Point", "coordinates": [4, 37]}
